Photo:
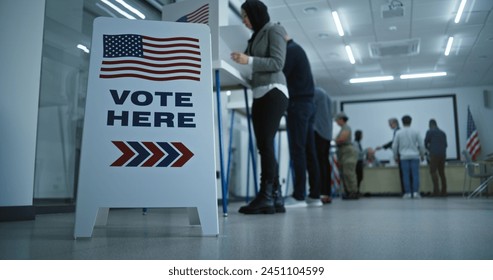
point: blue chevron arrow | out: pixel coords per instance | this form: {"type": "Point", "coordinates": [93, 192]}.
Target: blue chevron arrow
{"type": "Point", "coordinates": [172, 154]}
{"type": "Point", "coordinates": [142, 153]}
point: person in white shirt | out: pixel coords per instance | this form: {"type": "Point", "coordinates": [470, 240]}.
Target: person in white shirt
{"type": "Point", "coordinates": [408, 150]}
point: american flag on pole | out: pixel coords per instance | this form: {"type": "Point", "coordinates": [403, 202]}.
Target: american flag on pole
{"type": "Point", "coordinates": [150, 58]}
{"type": "Point", "coordinates": [335, 179]}
{"type": "Point", "coordinates": [200, 15]}
{"type": "Point", "coordinates": [472, 144]}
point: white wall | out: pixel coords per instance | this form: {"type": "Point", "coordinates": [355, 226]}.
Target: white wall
{"type": "Point", "coordinates": [469, 96]}
{"type": "Point", "coordinates": [21, 30]}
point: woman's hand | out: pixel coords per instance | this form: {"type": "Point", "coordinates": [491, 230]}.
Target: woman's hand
{"type": "Point", "coordinates": [240, 58]}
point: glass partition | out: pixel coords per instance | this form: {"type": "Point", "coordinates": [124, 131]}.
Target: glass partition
{"type": "Point", "coordinates": [64, 74]}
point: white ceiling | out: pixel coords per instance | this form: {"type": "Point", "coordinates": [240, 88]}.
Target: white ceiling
{"type": "Point", "coordinates": [470, 62]}
{"type": "Point", "coordinates": [430, 22]}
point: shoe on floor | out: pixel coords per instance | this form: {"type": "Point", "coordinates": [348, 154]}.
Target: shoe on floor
{"type": "Point", "coordinates": [313, 202]}
{"type": "Point", "coordinates": [416, 195]}
{"type": "Point", "coordinates": [407, 196]}
{"type": "Point", "coordinates": [350, 196]}
{"type": "Point", "coordinates": [291, 202]}
{"type": "Point", "coordinates": [325, 199]}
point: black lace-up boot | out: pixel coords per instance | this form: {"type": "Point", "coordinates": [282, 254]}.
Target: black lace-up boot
{"type": "Point", "coordinates": [263, 202]}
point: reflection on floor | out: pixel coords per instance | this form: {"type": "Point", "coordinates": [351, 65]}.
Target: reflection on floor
{"type": "Point", "coordinates": [369, 228]}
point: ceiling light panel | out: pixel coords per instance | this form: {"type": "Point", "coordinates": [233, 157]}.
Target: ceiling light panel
{"type": "Point", "coordinates": [460, 11]}
{"type": "Point", "coordinates": [423, 75]}
{"type": "Point", "coordinates": [450, 41]}
{"type": "Point", "coordinates": [338, 23]}
{"type": "Point", "coordinates": [118, 9]}
{"type": "Point", "coordinates": [350, 55]}
{"type": "Point", "coordinates": [131, 9]}
{"type": "Point", "coordinates": [371, 79]}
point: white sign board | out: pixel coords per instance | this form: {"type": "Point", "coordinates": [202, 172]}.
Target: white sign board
{"type": "Point", "coordinates": [148, 136]}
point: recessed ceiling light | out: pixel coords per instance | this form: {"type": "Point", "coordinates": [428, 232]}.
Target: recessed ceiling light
{"type": "Point", "coordinates": [323, 36]}
{"type": "Point", "coordinates": [393, 28]}
{"type": "Point", "coordinates": [310, 10]}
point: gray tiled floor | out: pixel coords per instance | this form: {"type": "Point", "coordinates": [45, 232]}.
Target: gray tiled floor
{"type": "Point", "coordinates": [371, 228]}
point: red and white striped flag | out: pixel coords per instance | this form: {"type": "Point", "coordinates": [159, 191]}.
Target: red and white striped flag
{"type": "Point", "coordinates": [335, 179]}
{"type": "Point", "coordinates": [200, 15]}
{"type": "Point", "coordinates": [473, 146]}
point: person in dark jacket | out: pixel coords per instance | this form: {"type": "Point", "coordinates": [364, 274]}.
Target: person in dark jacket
{"type": "Point", "coordinates": [436, 144]}
{"type": "Point", "coordinates": [300, 118]}
{"type": "Point", "coordinates": [323, 135]}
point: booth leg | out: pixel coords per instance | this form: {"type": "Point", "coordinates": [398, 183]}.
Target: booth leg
{"type": "Point", "coordinates": [224, 188]}
{"type": "Point", "coordinates": [250, 142]}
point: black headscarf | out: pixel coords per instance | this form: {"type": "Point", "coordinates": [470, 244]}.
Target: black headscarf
{"type": "Point", "coordinates": [257, 14]}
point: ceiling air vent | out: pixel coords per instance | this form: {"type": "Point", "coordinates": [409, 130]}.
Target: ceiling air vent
{"type": "Point", "coordinates": [394, 48]}
{"type": "Point", "coordinates": [394, 10]}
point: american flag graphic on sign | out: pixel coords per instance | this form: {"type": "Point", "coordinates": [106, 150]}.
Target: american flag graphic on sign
{"type": "Point", "coordinates": [150, 58]}
{"type": "Point", "coordinates": [200, 15]}
{"type": "Point", "coordinates": [473, 146]}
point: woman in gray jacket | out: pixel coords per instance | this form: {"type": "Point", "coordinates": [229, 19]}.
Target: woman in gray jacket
{"type": "Point", "coordinates": [265, 53]}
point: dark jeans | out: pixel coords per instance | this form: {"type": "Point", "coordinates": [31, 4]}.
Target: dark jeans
{"type": "Point", "coordinates": [323, 153]}
{"type": "Point", "coordinates": [301, 114]}
{"type": "Point", "coordinates": [437, 165]}
{"type": "Point", "coordinates": [267, 112]}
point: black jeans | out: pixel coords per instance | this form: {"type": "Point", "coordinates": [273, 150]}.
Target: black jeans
{"type": "Point", "coordinates": [301, 114]}
{"type": "Point", "coordinates": [323, 153]}
{"type": "Point", "coordinates": [359, 172]}
{"type": "Point", "coordinates": [267, 112]}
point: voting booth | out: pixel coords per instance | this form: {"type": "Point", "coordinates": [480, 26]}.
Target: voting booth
{"type": "Point", "coordinates": [227, 73]}
{"type": "Point", "coordinates": [148, 138]}
{"type": "Point", "coordinates": [225, 37]}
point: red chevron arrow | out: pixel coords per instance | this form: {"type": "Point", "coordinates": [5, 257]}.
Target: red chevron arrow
{"type": "Point", "coordinates": [157, 154]}
{"type": "Point", "coordinates": [186, 154]}
{"type": "Point", "coordinates": [127, 153]}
